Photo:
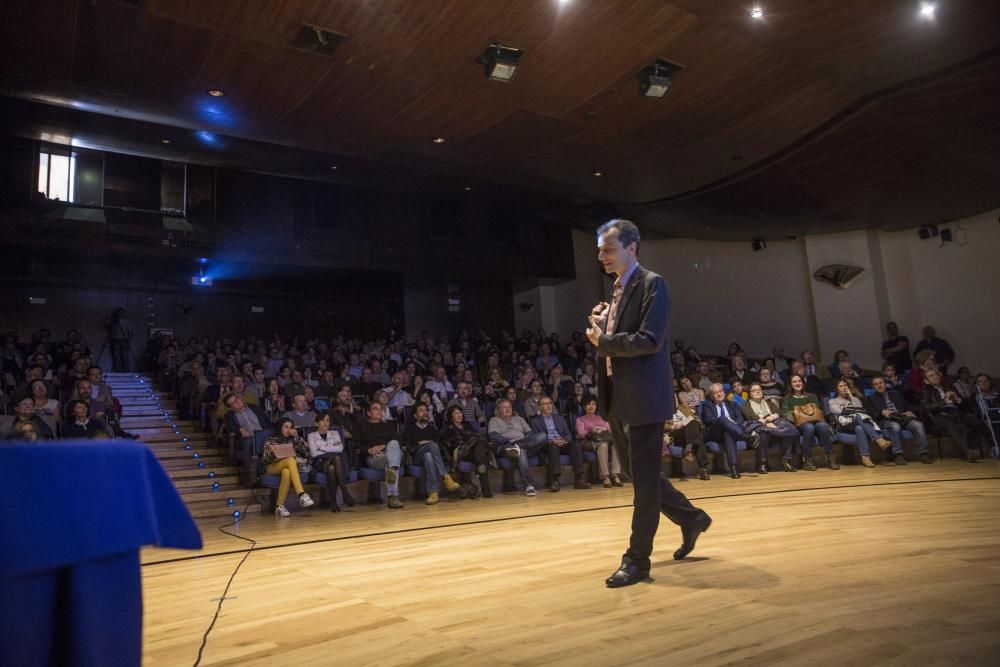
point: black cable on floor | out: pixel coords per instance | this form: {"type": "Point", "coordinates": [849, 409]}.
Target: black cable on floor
{"type": "Point", "coordinates": [218, 608]}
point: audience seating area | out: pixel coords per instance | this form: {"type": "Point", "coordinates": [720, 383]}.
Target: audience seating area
{"type": "Point", "coordinates": [181, 407]}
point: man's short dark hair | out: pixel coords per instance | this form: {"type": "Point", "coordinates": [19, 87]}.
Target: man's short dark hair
{"type": "Point", "coordinates": [628, 233]}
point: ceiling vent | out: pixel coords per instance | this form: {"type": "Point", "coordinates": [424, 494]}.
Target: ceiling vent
{"type": "Point", "coordinates": [317, 40]}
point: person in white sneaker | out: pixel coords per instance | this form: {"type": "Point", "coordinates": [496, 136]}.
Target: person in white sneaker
{"type": "Point", "coordinates": [287, 467]}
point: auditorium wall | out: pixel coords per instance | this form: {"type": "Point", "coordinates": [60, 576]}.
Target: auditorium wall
{"type": "Point", "coordinates": [724, 292]}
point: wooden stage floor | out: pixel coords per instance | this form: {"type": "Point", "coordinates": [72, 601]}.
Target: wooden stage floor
{"type": "Point", "coordinates": [893, 566]}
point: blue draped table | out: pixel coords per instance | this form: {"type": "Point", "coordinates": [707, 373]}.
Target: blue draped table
{"type": "Point", "coordinates": [73, 516]}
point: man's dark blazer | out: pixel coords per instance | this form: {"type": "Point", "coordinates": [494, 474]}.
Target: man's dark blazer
{"type": "Point", "coordinates": [875, 403]}
{"type": "Point", "coordinates": [537, 424]}
{"type": "Point", "coordinates": [709, 414]}
{"type": "Point", "coordinates": [233, 426]}
{"type": "Point", "coordinates": [640, 356]}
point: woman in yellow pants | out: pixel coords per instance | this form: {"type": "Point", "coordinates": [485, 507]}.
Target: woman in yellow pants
{"type": "Point", "coordinates": [288, 466]}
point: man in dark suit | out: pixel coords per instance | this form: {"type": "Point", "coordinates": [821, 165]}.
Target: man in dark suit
{"type": "Point", "coordinates": [241, 422]}
{"type": "Point", "coordinates": [723, 422]}
{"type": "Point", "coordinates": [558, 441]}
{"type": "Point", "coordinates": [888, 408]}
{"type": "Point", "coordinates": [635, 389]}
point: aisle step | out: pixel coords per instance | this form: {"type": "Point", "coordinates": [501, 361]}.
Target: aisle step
{"type": "Point", "coordinates": [204, 510]}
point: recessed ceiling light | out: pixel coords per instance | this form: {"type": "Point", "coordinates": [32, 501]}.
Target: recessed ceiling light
{"type": "Point", "coordinates": [438, 140]}
{"type": "Point", "coordinates": [467, 188]}
{"type": "Point", "coordinates": [927, 10]}
{"type": "Point", "coordinates": [216, 92]}
{"type": "Point", "coordinates": [334, 167]}
{"type": "Point", "coordinates": [756, 13]}
{"type": "Point", "coordinates": [597, 172]}
{"type": "Point", "coordinates": [164, 141]}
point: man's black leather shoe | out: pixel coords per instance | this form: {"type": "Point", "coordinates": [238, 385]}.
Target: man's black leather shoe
{"type": "Point", "coordinates": [690, 536]}
{"type": "Point", "coordinates": [626, 575]}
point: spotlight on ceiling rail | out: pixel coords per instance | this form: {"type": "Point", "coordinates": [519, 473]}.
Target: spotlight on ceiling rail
{"type": "Point", "coordinates": [655, 79]}
{"type": "Point", "coordinates": [500, 62]}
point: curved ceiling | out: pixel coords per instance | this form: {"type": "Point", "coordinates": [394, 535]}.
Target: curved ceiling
{"type": "Point", "coordinates": [822, 114]}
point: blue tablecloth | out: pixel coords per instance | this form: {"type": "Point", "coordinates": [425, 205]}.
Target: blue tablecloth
{"type": "Point", "coordinates": [72, 518]}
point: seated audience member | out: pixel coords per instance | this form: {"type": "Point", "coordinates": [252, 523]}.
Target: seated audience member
{"type": "Point", "coordinates": [770, 386]}
{"type": "Point", "coordinates": [850, 372]}
{"type": "Point", "coordinates": [723, 422]}
{"type": "Point", "coordinates": [943, 352]}
{"type": "Point", "coordinates": [191, 391]}
{"type": "Point", "coordinates": [471, 410]}
{"type": "Point", "coordinates": [781, 362]}
{"type": "Point", "coordinates": [367, 385]}
{"type": "Point", "coordinates": [896, 348]}
{"type": "Point", "coordinates": [346, 414]}
{"type": "Point", "coordinates": [495, 379]}
{"type": "Point", "coordinates": [23, 432]}
{"type": "Point", "coordinates": [82, 392]}
{"type": "Point", "coordinates": [842, 364]}
{"type": "Point", "coordinates": [241, 421]}
{"type": "Point", "coordinates": [326, 450]}
{"type": "Point", "coordinates": [381, 396]}
{"type": "Point", "coordinates": [440, 385]}
{"type": "Point", "coordinates": [99, 390]}
{"type": "Point", "coordinates": [79, 423]}
{"type": "Point", "coordinates": [25, 414]}
{"type": "Point", "coordinates": [766, 412]}
{"type": "Point", "coordinates": [689, 394]}
{"type": "Point", "coordinates": [45, 407]}
{"type": "Point", "coordinates": [68, 380]}
{"type": "Point", "coordinates": [431, 400]}
{"type": "Point", "coordinates": [559, 441]}
{"type": "Point", "coordinates": [888, 408]}
{"type": "Point", "coordinates": [399, 398]}
{"type": "Point", "coordinates": [463, 443]}
{"type": "Point", "coordinates": [422, 441]}
{"type": "Point", "coordinates": [294, 386]}
{"type": "Point", "coordinates": [558, 384]}
{"type": "Point", "coordinates": [813, 383]}
{"type": "Point", "coordinates": [812, 367]}
{"type": "Point", "coordinates": [703, 379]}
{"type": "Point", "coordinates": [738, 395]}
{"type": "Point", "coordinates": [595, 434]}
{"type": "Point", "coordinates": [516, 404]}
{"type": "Point", "coordinates": [223, 385]}
{"type": "Point", "coordinates": [514, 439]}
{"type": "Point", "coordinates": [950, 413]}
{"type": "Point", "coordinates": [534, 398]}
{"type": "Point", "coordinates": [926, 362]}
{"type": "Point", "coordinates": [289, 468]}
{"type": "Point", "coordinates": [300, 414]}
{"type": "Point", "coordinates": [274, 403]}
{"type": "Point", "coordinates": [574, 404]}
{"type": "Point", "coordinates": [849, 415]}
{"type": "Point", "coordinates": [314, 403]}
{"type": "Point", "coordinates": [734, 351]}
{"type": "Point", "coordinates": [964, 385]}
{"type": "Point", "coordinates": [803, 409]}
{"type": "Point", "coordinates": [588, 377]}
{"type": "Point", "coordinates": [346, 377]}
{"type": "Point", "coordinates": [327, 385]}
{"type": "Point", "coordinates": [378, 440]}
{"type": "Point", "coordinates": [892, 380]}
{"type": "Point", "coordinates": [236, 386]}
{"type": "Point", "coordinates": [307, 378]}
{"type": "Point", "coordinates": [740, 371]}
{"type": "Point", "coordinates": [685, 429]}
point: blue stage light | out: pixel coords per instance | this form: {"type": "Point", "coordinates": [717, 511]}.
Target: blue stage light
{"type": "Point", "coordinates": [230, 501]}
{"type": "Point", "coordinates": [211, 474]}
{"type": "Point", "coordinates": [197, 455]}
{"type": "Point", "coordinates": [201, 464]}
{"type": "Point", "coordinates": [215, 487]}
{"type": "Point", "coordinates": [236, 515]}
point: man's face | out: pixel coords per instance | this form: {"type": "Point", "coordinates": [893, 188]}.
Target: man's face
{"type": "Point", "coordinates": [236, 403]}
{"type": "Point", "coordinates": [225, 377]}
{"type": "Point", "coordinates": [798, 368]}
{"type": "Point", "coordinates": [420, 413]}
{"type": "Point", "coordinates": [545, 406]}
{"type": "Point", "coordinates": [878, 384]}
{"type": "Point", "coordinates": [297, 377]}
{"type": "Point", "coordinates": [375, 412]}
{"type": "Point", "coordinates": [739, 363]}
{"type": "Point", "coordinates": [310, 394]}
{"type": "Point", "coordinates": [535, 387]}
{"type": "Point", "coordinates": [614, 257]}
{"type": "Point", "coordinates": [718, 393]}
{"type": "Point", "coordinates": [505, 409]}
{"type": "Point", "coordinates": [80, 366]}
{"type": "Point", "coordinates": [933, 378]}
{"type": "Point", "coordinates": [238, 384]}
{"type": "Point", "coordinates": [983, 382]}
{"type": "Point", "coordinates": [25, 409]}
{"type": "Point", "coordinates": [464, 390]}
{"type": "Point", "coordinates": [80, 410]}
{"type": "Point", "coordinates": [366, 375]}
{"type": "Point", "coordinates": [846, 369]}
{"type": "Point", "coordinates": [94, 375]}
{"type": "Point", "coordinates": [892, 329]}
{"type": "Point", "coordinates": [703, 367]}
{"type": "Point", "coordinates": [807, 357]}
{"type": "Point", "coordinates": [258, 376]}
{"type": "Point", "coordinates": [83, 388]}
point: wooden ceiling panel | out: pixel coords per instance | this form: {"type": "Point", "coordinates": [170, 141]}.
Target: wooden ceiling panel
{"type": "Point", "coordinates": [262, 81]}
{"type": "Point", "coordinates": [125, 52]}
{"type": "Point", "coordinates": [36, 39]}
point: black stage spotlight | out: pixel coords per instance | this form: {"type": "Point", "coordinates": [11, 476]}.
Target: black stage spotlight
{"type": "Point", "coordinates": [500, 62]}
{"type": "Point", "coordinates": [654, 80]}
